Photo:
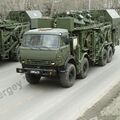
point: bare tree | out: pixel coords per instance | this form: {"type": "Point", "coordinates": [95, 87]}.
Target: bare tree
{"type": "Point", "coordinates": [49, 7]}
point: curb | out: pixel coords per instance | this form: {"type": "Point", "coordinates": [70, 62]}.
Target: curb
{"type": "Point", "coordinates": [103, 102]}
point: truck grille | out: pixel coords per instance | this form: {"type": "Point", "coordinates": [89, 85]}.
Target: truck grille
{"type": "Point", "coordinates": [38, 66]}
{"type": "Point", "coordinates": [41, 62]}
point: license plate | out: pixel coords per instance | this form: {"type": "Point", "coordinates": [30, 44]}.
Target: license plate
{"type": "Point", "coordinates": [35, 72]}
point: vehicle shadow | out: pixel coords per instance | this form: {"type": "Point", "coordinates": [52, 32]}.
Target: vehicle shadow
{"type": "Point", "coordinates": [46, 83]}
{"type": "Point", "coordinates": [5, 63]}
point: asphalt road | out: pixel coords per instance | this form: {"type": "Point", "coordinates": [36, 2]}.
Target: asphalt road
{"type": "Point", "coordinates": [48, 101]}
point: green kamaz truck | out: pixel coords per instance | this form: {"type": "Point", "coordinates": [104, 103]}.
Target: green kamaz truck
{"type": "Point", "coordinates": [12, 29]}
{"type": "Point", "coordinates": [67, 44]}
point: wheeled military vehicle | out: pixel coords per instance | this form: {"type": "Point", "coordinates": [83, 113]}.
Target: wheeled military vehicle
{"type": "Point", "coordinates": [66, 44]}
{"type": "Point", "coordinates": [12, 30]}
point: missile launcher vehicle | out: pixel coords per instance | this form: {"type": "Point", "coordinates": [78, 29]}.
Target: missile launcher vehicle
{"type": "Point", "coordinates": [66, 44]}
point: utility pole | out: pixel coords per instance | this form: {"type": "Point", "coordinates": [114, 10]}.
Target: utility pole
{"type": "Point", "coordinates": [76, 4]}
{"type": "Point", "coordinates": [89, 4]}
{"type": "Point", "coordinates": [52, 7]}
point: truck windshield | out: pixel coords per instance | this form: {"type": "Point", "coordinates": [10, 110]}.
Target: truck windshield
{"type": "Point", "coordinates": [39, 41]}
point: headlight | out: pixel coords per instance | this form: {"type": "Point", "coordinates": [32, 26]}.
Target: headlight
{"type": "Point", "coordinates": [22, 61]}
{"type": "Point", "coordinates": [52, 63]}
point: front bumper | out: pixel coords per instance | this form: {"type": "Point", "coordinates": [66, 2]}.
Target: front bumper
{"type": "Point", "coordinates": [42, 72]}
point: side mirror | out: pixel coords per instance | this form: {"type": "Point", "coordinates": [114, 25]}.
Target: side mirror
{"type": "Point", "coordinates": [70, 39]}
{"type": "Point", "coordinates": [66, 39]}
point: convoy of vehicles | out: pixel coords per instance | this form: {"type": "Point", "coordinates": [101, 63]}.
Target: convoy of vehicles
{"type": "Point", "coordinates": [68, 43]}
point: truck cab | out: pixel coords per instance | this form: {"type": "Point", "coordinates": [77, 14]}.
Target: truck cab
{"type": "Point", "coordinates": [48, 47]}
{"type": "Point", "coordinates": [44, 52]}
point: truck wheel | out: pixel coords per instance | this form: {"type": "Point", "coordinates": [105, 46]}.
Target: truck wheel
{"type": "Point", "coordinates": [84, 68]}
{"type": "Point", "coordinates": [109, 54]}
{"type": "Point", "coordinates": [67, 79]}
{"type": "Point", "coordinates": [103, 59]}
{"type": "Point", "coordinates": [32, 78]}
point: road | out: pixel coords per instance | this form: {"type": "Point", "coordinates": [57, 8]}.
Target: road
{"type": "Point", "coordinates": [47, 100]}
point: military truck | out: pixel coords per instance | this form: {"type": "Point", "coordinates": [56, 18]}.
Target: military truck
{"type": "Point", "coordinates": [67, 44]}
{"type": "Point", "coordinates": [12, 29]}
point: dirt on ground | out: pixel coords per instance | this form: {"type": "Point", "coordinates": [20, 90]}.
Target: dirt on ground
{"type": "Point", "coordinates": [110, 112]}
{"type": "Point", "coordinates": [107, 108]}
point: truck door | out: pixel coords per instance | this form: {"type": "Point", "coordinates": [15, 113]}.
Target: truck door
{"type": "Point", "coordinates": [64, 48]}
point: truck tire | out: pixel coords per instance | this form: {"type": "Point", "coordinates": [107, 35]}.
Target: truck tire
{"type": "Point", "coordinates": [32, 78]}
{"type": "Point", "coordinates": [67, 79]}
{"type": "Point", "coordinates": [103, 59]}
{"type": "Point", "coordinates": [109, 54]}
{"type": "Point", "coordinates": [84, 68]}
